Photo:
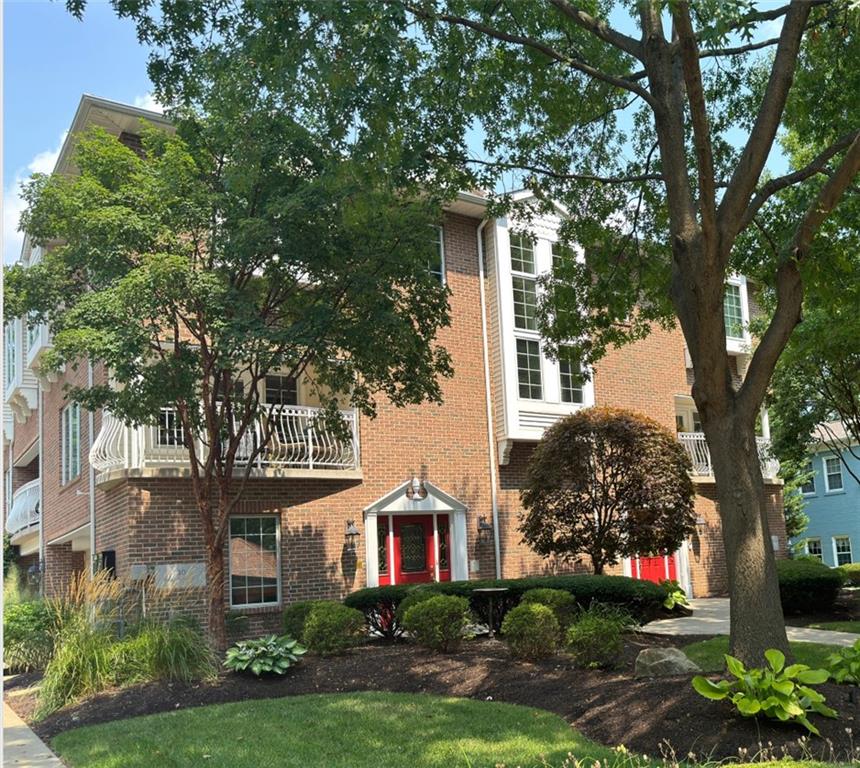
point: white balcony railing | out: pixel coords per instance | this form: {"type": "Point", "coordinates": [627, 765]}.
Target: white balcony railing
{"type": "Point", "coordinates": [299, 440]}
{"type": "Point", "coordinates": [700, 455]}
{"type": "Point", "coordinates": [24, 512]}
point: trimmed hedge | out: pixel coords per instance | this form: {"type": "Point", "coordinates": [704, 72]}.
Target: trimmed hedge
{"type": "Point", "coordinates": [531, 631]}
{"type": "Point", "coordinates": [295, 615]}
{"type": "Point", "coordinates": [561, 603]}
{"type": "Point", "coordinates": [641, 599]}
{"type": "Point", "coordinates": [439, 623]}
{"type": "Point", "coordinates": [851, 573]}
{"type": "Point", "coordinates": [332, 628]}
{"type": "Point", "coordinates": [807, 586]}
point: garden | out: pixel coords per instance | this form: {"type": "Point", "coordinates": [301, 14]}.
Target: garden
{"type": "Point", "coordinates": [409, 675]}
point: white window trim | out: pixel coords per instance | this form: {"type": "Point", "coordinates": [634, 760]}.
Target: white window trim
{"type": "Point", "coordinates": [537, 340]}
{"type": "Point", "coordinates": [814, 491]}
{"type": "Point", "coordinates": [827, 488]}
{"type": "Point", "coordinates": [443, 265]}
{"type": "Point", "coordinates": [278, 602]}
{"type": "Point", "coordinates": [66, 444]}
{"type": "Point", "coordinates": [582, 382]}
{"type": "Point", "coordinates": [806, 551]}
{"type": "Point", "coordinates": [836, 553]}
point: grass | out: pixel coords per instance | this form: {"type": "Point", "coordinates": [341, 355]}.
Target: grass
{"type": "Point", "coordinates": [839, 626]}
{"type": "Point", "coordinates": [708, 654]}
{"type": "Point", "coordinates": [356, 730]}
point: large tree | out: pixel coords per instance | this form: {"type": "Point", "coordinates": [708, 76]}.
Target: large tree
{"type": "Point", "coordinates": [650, 122]}
{"type": "Point", "coordinates": [237, 247]}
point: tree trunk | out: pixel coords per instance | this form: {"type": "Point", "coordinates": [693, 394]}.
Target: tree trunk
{"type": "Point", "coordinates": [216, 608]}
{"type": "Point", "coordinates": [757, 621]}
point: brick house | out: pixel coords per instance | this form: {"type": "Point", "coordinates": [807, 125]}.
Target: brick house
{"type": "Point", "coordinates": [417, 494]}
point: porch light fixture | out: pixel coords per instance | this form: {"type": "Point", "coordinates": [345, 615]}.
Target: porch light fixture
{"type": "Point", "coordinates": [485, 529]}
{"type": "Point", "coordinates": [416, 490]}
{"type": "Point", "coordinates": [352, 533]}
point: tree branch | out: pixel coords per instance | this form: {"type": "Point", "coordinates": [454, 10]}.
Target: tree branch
{"type": "Point", "coordinates": [817, 165]}
{"type": "Point", "coordinates": [566, 176]}
{"type": "Point", "coordinates": [599, 28]}
{"type": "Point", "coordinates": [754, 156]}
{"type": "Point", "coordinates": [537, 45]}
{"type": "Point", "coordinates": [699, 116]}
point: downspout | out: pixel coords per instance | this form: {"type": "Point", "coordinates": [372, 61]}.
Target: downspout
{"type": "Point", "coordinates": [92, 473]}
{"type": "Point", "coordinates": [491, 439]}
{"type": "Point", "coordinates": [41, 424]}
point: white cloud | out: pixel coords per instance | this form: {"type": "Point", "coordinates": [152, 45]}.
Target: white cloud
{"type": "Point", "coordinates": [148, 101]}
{"type": "Point", "coordinates": [13, 204]}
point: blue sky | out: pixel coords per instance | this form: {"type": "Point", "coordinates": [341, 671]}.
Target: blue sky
{"type": "Point", "coordinates": [50, 60]}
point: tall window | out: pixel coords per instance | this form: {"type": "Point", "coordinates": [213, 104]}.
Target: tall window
{"type": "Point", "coordinates": [733, 312]}
{"type": "Point", "coordinates": [570, 375]}
{"type": "Point", "coordinates": [813, 548]}
{"type": "Point", "coordinates": [70, 442]}
{"type": "Point", "coordinates": [522, 254]}
{"type": "Point", "coordinates": [32, 332]}
{"type": "Point", "coordinates": [11, 359]}
{"type": "Point", "coordinates": [808, 486]}
{"type": "Point", "coordinates": [255, 560]}
{"type": "Point", "coordinates": [833, 474]}
{"type": "Point", "coordinates": [170, 428]}
{"type": "Point", "coordinates": [842, 550]}
{"type": "Point", "coordinates": [281, 390]}
{"type": "Point", "coordinates": [525, 303]}
{"type": "Point", "coordinates": [437, 263]}
{"type": "Point", "coordinates": [528, 369]}
{"type": "Point", "coordinates": [561, 254]}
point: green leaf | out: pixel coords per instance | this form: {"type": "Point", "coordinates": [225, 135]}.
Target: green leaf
{"type": "Point", "coordinates": [813, 676]}
{"type": "Point", "coordinates": [709, 689]}
{"type": "Point", "coordinates": [748, 706]}
{"type": "Point", "coordinates": [735, 666]}
{"type": "Point", "coordinates": [775, 658]}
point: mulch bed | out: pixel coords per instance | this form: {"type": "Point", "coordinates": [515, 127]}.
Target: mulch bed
{"type": "Point", "coordinates": [611, 707]}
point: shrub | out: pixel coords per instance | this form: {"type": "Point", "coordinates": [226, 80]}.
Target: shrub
{"type": "Point", "coordinates": [562, 603]}
{"type": "Point", "coordinates": [332, 627]}
{"type": "Point", "coordinates": [439, 622]}
{"type": "Point", "coordinates": [28, 640]}
{"type": "Point", "coordinates": [851, 573]}
{"type": "Point", "coordinates": [295, 616]}
{"type": "Point", "coordinates": [844, 665]}
{"type": "Point", "coordinates": [594, 639]}
{"type": "Point", "coordinates": [82, 664]}
{"type": "Point", "coordinates": [775, 691]}
{"type": "Point", "coordinates": [378, 604]}
{"type": "Point", "coordinates": [675, 595]}
{"type": "Point", "coordinates": [417, 595]}
{"type": "Point", "coordinates": [807, 586]}
{"type": "Point", "coordinates": [270, 655]}
{"type": "Point", "coordinates": [531, 630]}
{"type": "Point", "coordinates": [176, 651]}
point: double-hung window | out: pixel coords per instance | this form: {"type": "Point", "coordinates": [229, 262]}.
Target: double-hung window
{"type": "Point", "coordinates": [70, 442]}
{"type": "Point", "coordinates": [807, 488]}
{"type": "Point", "coordinates": [281, 390]}
{"type": "Point", "coordinates": [833, 474]}
{"type": "Point", "coordinates": [813, 548]}
{"type": "Point", "coordinates": [842, 550]}
{"type": "Point", "coordinates": [570, 377]}
{"type": "Point", "coordinates": [561, 254]}
{"type": "Point", "coordinates": [254, 560]}
{"type": "Point", "coordinates": [733, 312]}
{"type": "Point", "coordinates": [528, 369]}
{"type": "Point", "coordinates": [11, 358]}
{"type": "Point", "coordinates": [524, 285]}
{"type": "Point", "coordinates": [437, 262]}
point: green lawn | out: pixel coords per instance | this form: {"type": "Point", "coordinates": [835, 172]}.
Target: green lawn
{"type": "Point", "coordinates": [708, 654]}
{"type": "Point", "coordinates": [356, 730]}
{"type": "Point", "coordinates": [839, 626]}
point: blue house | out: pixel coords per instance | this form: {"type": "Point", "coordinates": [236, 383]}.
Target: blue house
{"type": "Point", "coordinates": [832, 501]}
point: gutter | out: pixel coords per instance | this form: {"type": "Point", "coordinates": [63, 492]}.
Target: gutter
{"type": "Point", "coordinates": [491, 440]}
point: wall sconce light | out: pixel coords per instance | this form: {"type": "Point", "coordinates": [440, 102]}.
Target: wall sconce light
{"type": "Point", "coordinates": [485, 529]}
{"type": "Point", "coordinates": [700, 522]}
{"type": "Point", "coordinates": [352, 533]}
{"type": "Point", "coordinates": [416, 490]}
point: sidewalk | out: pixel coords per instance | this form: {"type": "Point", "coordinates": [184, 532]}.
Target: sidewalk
{"type": "Point", "coordinates": [21, 747]}
{"type": "Point", "coordinates": [711, 617]}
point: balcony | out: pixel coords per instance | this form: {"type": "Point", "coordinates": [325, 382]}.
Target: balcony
{"type": "Point", "coordinates": [38, 342]}
{"type": "Point", "coordinates": [24, 513]}
{"type": "Point", "coordinates": [700, 455]}
{"type": "Point", "coordinates": [300, 445]}
{"type": "Point", "coordinates": [22, 387]}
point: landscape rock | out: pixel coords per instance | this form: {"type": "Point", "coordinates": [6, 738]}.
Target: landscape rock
{"type": "Point", "coordinates": [664, 662]}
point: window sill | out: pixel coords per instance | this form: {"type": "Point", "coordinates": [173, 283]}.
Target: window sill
{"type": "Point", "coordinates": [256, 610]}
{"type": "Point", "coordinates": [835, 493]}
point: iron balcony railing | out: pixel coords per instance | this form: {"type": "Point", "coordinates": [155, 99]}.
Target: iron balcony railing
{"type": "Point", "coordinates": [700, 455]}
{"type": "Point", "coordinates": [24, 512]}
{"type": "Point", "coordinates": [298, 440]}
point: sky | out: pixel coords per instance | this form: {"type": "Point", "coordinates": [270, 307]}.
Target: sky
{"type": "Point", "coordinates": [50, 60]}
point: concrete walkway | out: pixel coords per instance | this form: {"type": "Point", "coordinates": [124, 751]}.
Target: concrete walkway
{"type": "Point", "coordinates": [711, 617]}
{"type": "Point", "coordinates": [22, 747]}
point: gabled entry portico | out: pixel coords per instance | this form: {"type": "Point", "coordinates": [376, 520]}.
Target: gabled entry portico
{"type": "Point", "coordinates": [413, 539]}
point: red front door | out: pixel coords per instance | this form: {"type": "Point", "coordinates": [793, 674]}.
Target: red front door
{"type": "Point", "coordinates": [414, 549]}
{"type": "Point", "coordinates": [656, 569]}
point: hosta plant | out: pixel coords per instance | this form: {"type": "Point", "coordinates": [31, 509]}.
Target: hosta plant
{"type": "Point", "coordinates": [675, 595]}
{"type": "Point", "coordinates": [267, 655]}
{"type": "Point", "coordinates": [775, 691]}
{"type": "Point", "coordinates": [844, 665]}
